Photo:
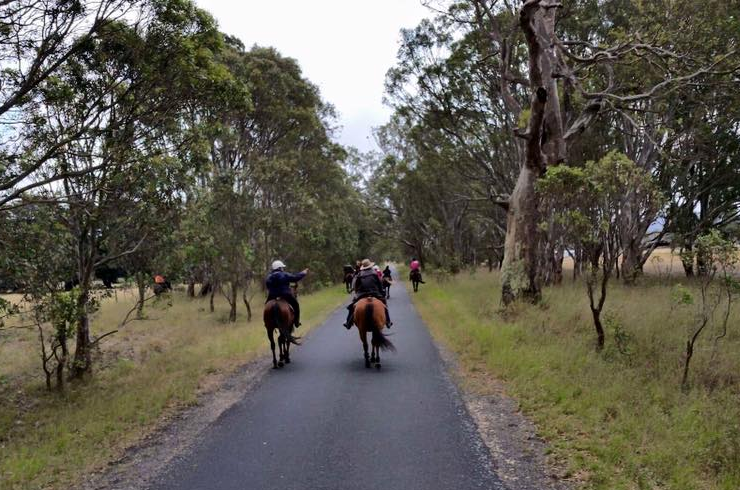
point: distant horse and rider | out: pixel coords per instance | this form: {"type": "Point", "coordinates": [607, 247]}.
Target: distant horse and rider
{"type": "Point", "coordinates": [349, 275]}
{"type": "Point", "coordinates": [415, 274]}
{"type": "Point", "coordinates": [387, 280]}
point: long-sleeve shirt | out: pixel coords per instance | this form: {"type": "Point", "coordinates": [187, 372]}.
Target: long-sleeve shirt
{"type": "Point", "coordinates": [278, 282]}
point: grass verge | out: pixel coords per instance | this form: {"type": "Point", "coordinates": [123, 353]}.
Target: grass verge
{"type": "Point", "coordinates": [149, 369]}
{"type": "Point", "coordinates": [614, 420]}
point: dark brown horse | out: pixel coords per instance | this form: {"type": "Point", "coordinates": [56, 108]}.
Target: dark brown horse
{"type": "Point", "coordinates": [387, 281]}
{"type": "Point", "coordinates": [278, 315]}
{"type": "Point", "coordinates": [370, 317]}
{"type": "Point", "coordinates": [415, 277]}
{"type": "Point", "coordinates": [348, 276]}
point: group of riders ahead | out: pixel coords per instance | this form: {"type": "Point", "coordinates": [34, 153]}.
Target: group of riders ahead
{"type": "Point", "coordinates": [367, 282]}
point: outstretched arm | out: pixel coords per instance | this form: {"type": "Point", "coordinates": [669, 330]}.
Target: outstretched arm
{"type": "Point", "coordinates": [297, 276]}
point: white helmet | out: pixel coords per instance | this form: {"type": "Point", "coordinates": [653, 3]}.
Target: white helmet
{"type": "Point", "coordinates": [278, 264]}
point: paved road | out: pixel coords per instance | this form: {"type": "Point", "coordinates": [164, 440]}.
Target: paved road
{"type": "Point", "coordinates": [327, 422]}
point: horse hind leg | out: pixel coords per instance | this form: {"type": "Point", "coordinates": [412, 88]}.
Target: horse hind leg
{"type": "Point", "coordinates": [287, 352]}
{"type": "Point", "coordinates": [364, 347]}
{"type": "Point", "coordinates": [377, 357]}
{"type": "Point", "coordinates": [281, 346]}
{"type": "Point", "coordinates": [271, 336]}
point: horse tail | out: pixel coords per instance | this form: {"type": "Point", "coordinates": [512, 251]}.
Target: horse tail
{"type": "Point", "coordinates": [292, 338]}
{"type": "Point", "coordinates": [378, 338]}
{"type": "Point", "coordinates": [277, 321]}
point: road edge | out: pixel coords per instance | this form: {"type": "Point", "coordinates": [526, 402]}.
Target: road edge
{"type": "Point", "coordinates": [179, 430]}
{"type": "Point", "coordinates": [518, 455]}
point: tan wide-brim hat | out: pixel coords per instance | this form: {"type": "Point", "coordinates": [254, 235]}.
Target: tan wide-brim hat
{"type": "Point", "coordinates": [366, 264]}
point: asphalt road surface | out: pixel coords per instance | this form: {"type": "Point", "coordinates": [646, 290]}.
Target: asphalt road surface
{"type": "Point", "coordinates": [326, 422]}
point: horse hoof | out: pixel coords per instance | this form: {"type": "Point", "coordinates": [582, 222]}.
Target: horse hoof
{"type": "Point", "coordinates": [377, 366]}
{"type": "Point", "coordinates": [280, 364]}
{"type": "Point", "coordinates": [287, 361]}
{"type": "Point", "coordinates": [367, 364]}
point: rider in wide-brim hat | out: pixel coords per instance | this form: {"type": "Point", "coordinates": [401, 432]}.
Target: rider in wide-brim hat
{"type": "Point", "coordinates": [367, 284]}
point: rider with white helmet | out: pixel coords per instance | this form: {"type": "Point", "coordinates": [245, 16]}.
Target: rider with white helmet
{"type": "Point", "coordinates": [278, 286]}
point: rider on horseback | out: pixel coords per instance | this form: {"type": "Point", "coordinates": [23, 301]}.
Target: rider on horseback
{"type": "Point", "coordinates": [367, 284]}
{"type": "Point", "coordinates": [278, 286]}
{"type": "Point", "coordinates": [387, 272]}
{"type": "Point", "coordinates": [415, 267]}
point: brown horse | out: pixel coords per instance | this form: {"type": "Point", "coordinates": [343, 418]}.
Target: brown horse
{"type": "Point", "coordinates": [370, 317]}
{"type": "Point", "coordinates": [279, 315]}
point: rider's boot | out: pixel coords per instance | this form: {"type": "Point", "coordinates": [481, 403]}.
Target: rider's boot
{"type": "Point", "coordinates": [350, 317]}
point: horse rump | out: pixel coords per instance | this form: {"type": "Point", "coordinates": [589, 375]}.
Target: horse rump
{"type": "Point", "coordinates": [379, 339]}
{"type": "Point", "coordinates": [284, 325]}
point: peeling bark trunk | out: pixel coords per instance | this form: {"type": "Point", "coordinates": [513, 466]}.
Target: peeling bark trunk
{"type": "Point", "coordinates": [545, 145]}
{"type": "Point", "coordinates": [519, 267]}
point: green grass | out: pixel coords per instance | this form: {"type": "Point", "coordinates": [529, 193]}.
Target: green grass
{"type": "Point", "coordinates": [613, 420]}
{"type": "Point", "coordinates": [149, 369]}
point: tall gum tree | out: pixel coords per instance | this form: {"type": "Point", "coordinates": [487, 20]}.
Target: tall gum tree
{"type": "Point", "coordinates": [571, 83]}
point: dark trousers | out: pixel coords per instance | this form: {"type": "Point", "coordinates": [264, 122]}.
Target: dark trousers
{"type": "Point", "coordinates": [292, 301]}
{"type": "Point", "coordinates": [351, 312]}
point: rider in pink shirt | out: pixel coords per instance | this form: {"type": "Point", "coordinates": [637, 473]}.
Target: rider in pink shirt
{"type": "Point", "coordinates": [415, 265]}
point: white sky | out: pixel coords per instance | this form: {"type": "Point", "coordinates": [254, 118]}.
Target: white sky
{"type": "Point", "coordinates": [343, 46]}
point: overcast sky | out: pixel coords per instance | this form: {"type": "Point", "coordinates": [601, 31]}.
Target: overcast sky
{"type": "Point", "coordinates": [343, 46]}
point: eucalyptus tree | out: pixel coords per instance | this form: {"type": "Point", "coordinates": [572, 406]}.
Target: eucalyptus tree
{"type": "Point", "coordinates": [444, 82]}
{"type": "Point", "coordinates": [36, 40]}
{"type": "Point", "coordinates": [125, 93]}
{"type": "Point", "coordinates": [273, 182]}
{"type": "Point", "coordinates": [586, 203]}
{"type": "Point", "coordinates": [562, 69]}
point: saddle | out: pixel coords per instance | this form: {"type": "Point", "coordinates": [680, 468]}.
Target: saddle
{"type": "Point", "coordinates": [280, 298]}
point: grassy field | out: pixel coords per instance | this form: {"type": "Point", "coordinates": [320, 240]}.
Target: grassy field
{"type": "Point", "coordinates": [616, 419]}
{"type": "Point", "coordinates": [149, 369]}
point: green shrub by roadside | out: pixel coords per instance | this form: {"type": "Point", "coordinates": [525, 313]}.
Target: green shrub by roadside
{"type": "Point", "coordinates": [614, 420]}
{"type": "Point", "coordinates": [147, 370]}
